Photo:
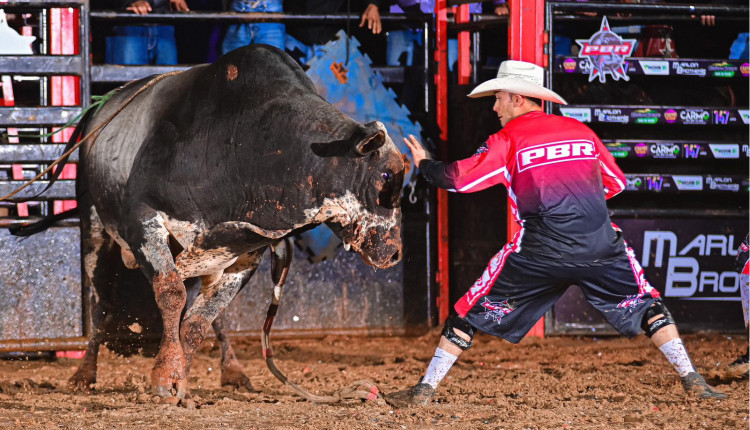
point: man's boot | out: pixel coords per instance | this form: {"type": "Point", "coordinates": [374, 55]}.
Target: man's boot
{"type": "Point", "coordinates": [694, 383]}
{"type": "Point", "coordinates": [417, 395]}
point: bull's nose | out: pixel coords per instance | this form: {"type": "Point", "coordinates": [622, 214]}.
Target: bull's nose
{"type": "Point", "coordinates": [396, 257]}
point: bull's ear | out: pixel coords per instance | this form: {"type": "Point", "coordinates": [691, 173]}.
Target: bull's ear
{"type": "Point", "coordinates": [370, 143]}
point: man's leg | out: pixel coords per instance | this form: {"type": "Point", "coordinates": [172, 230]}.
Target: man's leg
{"type": "Point", "coordinates": [456, 338]}
{"type": "Point", "coordinates": [660, 327]}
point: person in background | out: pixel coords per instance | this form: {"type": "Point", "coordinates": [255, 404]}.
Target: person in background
{"type": "Point", "coordinates": [143, 43]}
{"type": "Point", "coordinates": [559, 175]}
{"type": "Point", "coordinates": [400, 47]}
{"type": "Point", "coordinates": [307, 38]}
{"type": "Point", "coordinates": [271, 33]}
{"type": "Point", "coordinates": [740, 368]}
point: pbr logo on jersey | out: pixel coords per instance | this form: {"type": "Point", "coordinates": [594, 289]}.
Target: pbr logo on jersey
{"type": "Point", "coordinates": [496, 310]}
{"type": "Point", "coordinates": [606, 53]}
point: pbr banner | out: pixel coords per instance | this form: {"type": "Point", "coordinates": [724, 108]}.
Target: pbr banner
{"type": "Point", "coordinates": [692, 264]}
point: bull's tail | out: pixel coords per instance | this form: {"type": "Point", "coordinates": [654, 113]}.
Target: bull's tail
{"type": "Point", "coordinates": [29, 229]}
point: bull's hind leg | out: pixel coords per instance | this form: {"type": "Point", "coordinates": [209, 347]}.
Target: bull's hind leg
{"type": "Point", "coordinates": [231, 370]}
{"type": "Point", "coordinates": [148, 239]}
{"type": "Point", "coordinates": [211, 301]}
{"type": "Point", "coordinates": [97, 248]}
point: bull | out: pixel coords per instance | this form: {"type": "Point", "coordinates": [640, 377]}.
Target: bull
{"type": "Point", "coordinates": [203, 170]}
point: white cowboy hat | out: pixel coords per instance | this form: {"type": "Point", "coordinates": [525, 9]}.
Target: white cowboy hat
{"type": "Point", "coordinates": [518, 77]}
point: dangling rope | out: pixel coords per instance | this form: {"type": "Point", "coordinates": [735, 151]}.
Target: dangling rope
{"type": "Point", "coordinates": [88, 136]}
{"type": "Point", "coordinates": [348, 22]}
{"type": "Point", "coordinates": [98, 103]}
{"type": "Point", "coordinates": [362, 390]}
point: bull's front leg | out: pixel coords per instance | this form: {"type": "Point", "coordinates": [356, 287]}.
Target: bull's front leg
{"type": "Point", "coordinates": [170, 366]}
{"type": "Point", "coordinates": [149, 242]}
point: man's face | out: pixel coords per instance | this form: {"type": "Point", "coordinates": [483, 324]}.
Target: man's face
{"type": "Point", "coordinates": [504, 107]}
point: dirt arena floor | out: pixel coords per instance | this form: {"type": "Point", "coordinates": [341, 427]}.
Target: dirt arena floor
{"type": "Point", "coordinates": [553, 383]}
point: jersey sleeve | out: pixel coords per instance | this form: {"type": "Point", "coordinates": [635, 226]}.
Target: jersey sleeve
{"type": "Point", "coordinates": [612, 177]}
{"type": "Point", "coordinates": [487, 167]}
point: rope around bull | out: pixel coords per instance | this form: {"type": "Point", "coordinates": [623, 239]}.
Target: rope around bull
{"type": "Point", "coordinates": [360, 390]}
{"type": "Point", "coordinates": [88, 136]}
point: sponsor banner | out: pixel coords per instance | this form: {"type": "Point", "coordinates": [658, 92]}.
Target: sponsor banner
{"type": "Point", "coordinates": [664, 67]}
{"type": "Point", "coordinates": [734, 184]}
{"type": "Point", "coordinates": [653, 182]}
{"type": "Point", "coordinates": [641, 149]}
{"type": "Point", "coordinates": [670, 116]}
{"type": "Point", "coordinates": [677, 149]}
{"type": "Point", "coordinates": [689, 68]}
{"type": "Point", "coordinates": [688, 182]}
{"type": "Point", "coordinates": [665, 150]}
{"type": "Point", "coordinates": [612, 115]}
{"type": "Point", "coordinates": [727, 117]}
{"type": "Point", "coordinates": [651, 67]}
{"type": "Point", "coordinates": [691, 263]}
{"type": "Point", "coordinates": [694, 150]}
{"type": "Point", "coordinates": [744, 115]}
{"type": "Point", "coordinates": [570, 65]}
{"type": "Point", "coordinates": [723, 69]}
{"type": "Point", "coordinates": [694, 116]}
{"type": "Point", "coordinates": [658, 183]}
{"type": "Point", "coordinates": [581, 114]}
{"type": "Point", "coordinates": [725, 150]}
{"type": "Point", "coordinates": [646, 116]}
{"type": "Point", "coordinates": [619, 149]}
{"type": "Point", "coordinates": [634, 182]}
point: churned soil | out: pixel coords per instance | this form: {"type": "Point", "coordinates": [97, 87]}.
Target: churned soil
{"type": "Point", "coordinates": [553, 383]}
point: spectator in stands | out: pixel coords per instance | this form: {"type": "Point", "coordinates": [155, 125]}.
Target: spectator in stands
{"type": "Point", "coordinates": [400, 49]}
{"type": "Point", "coordinates": [308, 37]}
{"type": "Point", "coordinates": [271, 33]}
{"type": "Point", "coordinates": [143, 43]}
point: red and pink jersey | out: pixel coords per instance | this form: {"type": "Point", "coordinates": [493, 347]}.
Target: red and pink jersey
{"type": "Point", "coordinates": [558, 174]}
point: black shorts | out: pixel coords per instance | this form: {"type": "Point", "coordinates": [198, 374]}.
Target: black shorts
{"type": "Point", "coordinates": [514, 292]}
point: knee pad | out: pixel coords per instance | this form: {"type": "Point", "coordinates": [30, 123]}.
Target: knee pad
{"type": "Point", "coordinates": [666, 319]}
{"type": "Point", "coordinates": [455, 321]}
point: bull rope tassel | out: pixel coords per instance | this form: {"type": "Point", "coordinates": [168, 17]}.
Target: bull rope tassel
{"type": "Point", "coordinates": [362, 389]}
{"type": "Point", "coordinates": [88, 136]}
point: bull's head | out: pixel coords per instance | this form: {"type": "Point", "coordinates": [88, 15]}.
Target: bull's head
{"type": "Point", "coordinates": [365, 210]}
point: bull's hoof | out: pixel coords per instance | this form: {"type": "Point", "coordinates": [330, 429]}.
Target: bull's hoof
{"type": "Point", "coordinates": [82, 380]}
{"type": "Point", "coordinates": [740, 368]}
{"type": "Point", "coordinates": [233, 376]}
{"type": "Point", "coordinates": [418, 395]}
{"type": "Point", "coordinates": [169, 373]}
{"type": "Point", "coordinates": [694, 384]}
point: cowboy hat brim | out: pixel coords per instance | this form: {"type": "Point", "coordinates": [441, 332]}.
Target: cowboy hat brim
{"type": "Point", "coordinates": [516, 86]}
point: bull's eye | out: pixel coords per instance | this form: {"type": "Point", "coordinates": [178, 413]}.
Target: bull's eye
{"type": "Point", "coordinates": [386, 176]}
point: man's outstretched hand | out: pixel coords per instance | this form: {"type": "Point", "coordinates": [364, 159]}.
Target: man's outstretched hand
{"type": "Point", "coordinates": [417, 151]}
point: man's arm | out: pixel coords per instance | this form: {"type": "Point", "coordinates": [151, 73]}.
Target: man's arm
{"type": "Point", "coordinates": [478, 172]}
